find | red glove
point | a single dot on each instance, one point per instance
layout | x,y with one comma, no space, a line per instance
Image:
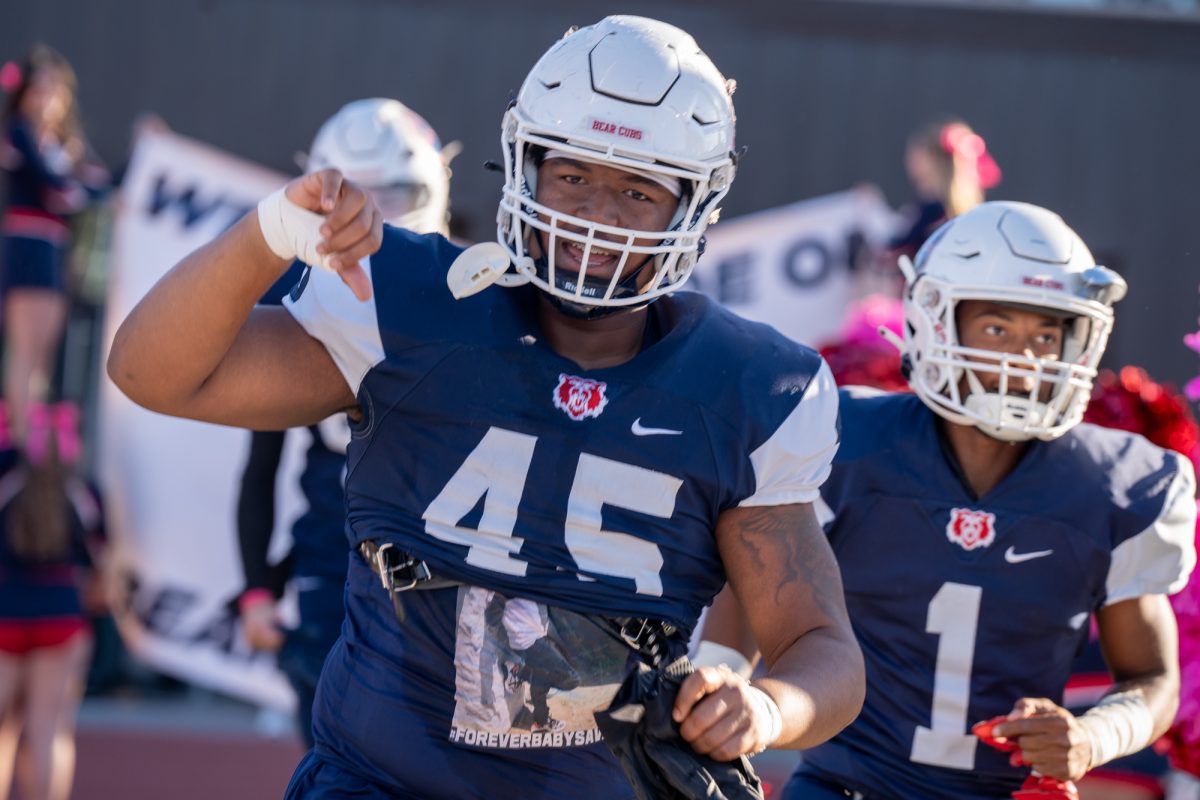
1035,787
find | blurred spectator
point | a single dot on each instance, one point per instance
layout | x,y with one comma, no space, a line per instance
51,174
950,169
52,532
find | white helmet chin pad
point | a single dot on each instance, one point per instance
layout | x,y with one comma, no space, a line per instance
1013,416
392,152
1020,256
628,93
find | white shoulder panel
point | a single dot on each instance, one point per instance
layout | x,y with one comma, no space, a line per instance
791,466
1159,559
348,327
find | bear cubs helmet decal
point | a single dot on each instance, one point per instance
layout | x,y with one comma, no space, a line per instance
970,529
580,398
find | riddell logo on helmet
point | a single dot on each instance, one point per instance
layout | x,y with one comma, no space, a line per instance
612,128
580,398
971,529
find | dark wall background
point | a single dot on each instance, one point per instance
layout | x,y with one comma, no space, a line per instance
1094,117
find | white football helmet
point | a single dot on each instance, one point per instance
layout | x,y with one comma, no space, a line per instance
390,150
629,93
1015,254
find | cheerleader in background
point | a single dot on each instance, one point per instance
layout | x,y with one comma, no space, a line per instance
950,170
50,535
51,175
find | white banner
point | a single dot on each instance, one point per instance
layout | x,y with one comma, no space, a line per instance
171,485
792,267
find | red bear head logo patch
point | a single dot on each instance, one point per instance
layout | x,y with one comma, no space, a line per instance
971,529
580,398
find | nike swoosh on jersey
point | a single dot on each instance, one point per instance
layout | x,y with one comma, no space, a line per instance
640,430
1013,557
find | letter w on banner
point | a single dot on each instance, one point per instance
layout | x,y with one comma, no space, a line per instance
172,484
793,266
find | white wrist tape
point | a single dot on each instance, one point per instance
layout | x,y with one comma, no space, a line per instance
1119,725
291,231
711,654
772,711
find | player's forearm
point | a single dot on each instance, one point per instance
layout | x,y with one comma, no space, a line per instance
819,684
1159,693
175,338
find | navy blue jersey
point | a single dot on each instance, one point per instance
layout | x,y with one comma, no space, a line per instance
964,605
31,176
318,546
511,469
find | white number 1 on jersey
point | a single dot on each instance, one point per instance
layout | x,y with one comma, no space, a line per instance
496,470
953,613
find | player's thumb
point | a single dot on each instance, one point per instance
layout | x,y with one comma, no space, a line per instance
316,191
693,689
305,192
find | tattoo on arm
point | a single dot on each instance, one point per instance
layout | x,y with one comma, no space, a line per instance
787,550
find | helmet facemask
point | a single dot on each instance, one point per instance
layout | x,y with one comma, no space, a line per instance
403,205
669,254
946,374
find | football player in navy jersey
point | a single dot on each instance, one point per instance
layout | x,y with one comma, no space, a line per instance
394,154
578,437
979,526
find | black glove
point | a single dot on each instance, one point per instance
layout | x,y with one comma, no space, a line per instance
638,728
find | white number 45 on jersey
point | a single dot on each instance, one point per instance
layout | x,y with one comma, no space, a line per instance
498,468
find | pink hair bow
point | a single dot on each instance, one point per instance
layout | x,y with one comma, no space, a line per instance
60,421
957,139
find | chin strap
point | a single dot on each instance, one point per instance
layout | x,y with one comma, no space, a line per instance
626,287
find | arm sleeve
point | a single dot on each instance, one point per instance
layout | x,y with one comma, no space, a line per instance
349,328
1160,558
791,465
256,506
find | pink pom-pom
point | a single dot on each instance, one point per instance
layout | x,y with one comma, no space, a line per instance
865,317
1192,390
1182,742
1192,340
10,77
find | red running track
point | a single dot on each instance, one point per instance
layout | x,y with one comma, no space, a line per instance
171,765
